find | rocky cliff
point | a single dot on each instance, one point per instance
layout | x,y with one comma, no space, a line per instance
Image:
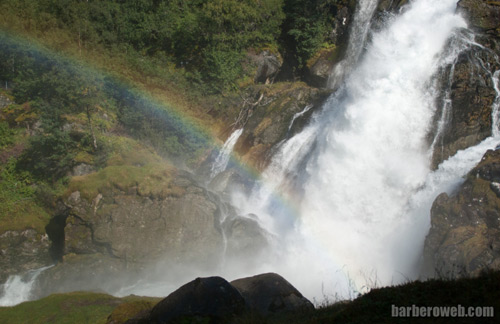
464,238
471,81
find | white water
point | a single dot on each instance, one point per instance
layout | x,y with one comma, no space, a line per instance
357,38
222,159
357,180
17,288
298,115
358,176
496,104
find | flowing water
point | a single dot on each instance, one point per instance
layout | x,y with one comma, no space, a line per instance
17,288
346,201
356,181
224,155
357,38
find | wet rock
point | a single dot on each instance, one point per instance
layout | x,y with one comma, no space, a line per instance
472,98
21,251
90,272
269,121
473,92
203,300
319,67
484,15
270,293
230,181
464,238
246,240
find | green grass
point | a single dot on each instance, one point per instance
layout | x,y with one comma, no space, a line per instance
73,308
18,207
131,164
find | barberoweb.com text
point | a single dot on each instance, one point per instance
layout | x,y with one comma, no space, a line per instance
442,311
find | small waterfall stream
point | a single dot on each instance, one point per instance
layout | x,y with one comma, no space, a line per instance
222,159
17,288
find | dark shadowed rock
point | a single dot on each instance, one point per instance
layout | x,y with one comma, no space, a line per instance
270,293
464,238
206,300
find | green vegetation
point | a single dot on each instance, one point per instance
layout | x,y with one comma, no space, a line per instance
18,207
205,38
70,308
307,27
130,165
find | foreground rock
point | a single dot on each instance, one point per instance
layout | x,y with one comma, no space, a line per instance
270,293
464,238
214,300
203,299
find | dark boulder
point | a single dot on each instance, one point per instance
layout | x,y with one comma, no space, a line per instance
269,293
206,300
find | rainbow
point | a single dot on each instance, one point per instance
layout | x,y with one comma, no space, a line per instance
189,132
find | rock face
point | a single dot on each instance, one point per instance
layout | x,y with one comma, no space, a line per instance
128,229
21,251
473,92
137,228
270,293
202,300
269,119
246,240
464,238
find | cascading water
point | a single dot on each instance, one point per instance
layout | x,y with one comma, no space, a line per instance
496,105
357,38
17,288
298,115
222,159
359,174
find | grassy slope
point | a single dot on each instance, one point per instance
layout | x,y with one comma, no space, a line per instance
72,308
162,81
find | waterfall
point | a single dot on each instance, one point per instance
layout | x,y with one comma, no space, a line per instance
496,105
17,288
222,159
357,178
298,115
357,38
